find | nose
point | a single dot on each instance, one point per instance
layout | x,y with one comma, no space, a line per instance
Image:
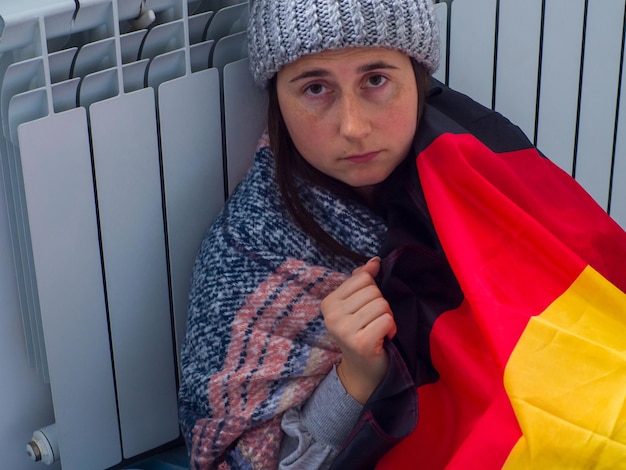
354,119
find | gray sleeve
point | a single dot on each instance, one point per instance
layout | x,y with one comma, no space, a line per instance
315,432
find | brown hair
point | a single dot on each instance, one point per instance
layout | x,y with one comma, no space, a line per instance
289,163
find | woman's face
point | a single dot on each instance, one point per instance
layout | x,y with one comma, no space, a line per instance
351,113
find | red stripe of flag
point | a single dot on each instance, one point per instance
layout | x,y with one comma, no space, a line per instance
517,232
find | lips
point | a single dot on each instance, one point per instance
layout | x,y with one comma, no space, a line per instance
364,158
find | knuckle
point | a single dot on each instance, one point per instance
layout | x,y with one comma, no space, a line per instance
334,323
373,292
324,306
382,305
361,345
361,275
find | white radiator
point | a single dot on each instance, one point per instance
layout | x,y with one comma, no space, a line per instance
125,123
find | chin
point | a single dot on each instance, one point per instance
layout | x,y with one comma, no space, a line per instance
368,182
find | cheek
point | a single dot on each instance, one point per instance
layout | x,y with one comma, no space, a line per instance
402,119
400,125
306,131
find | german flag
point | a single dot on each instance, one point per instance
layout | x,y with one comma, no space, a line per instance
521,362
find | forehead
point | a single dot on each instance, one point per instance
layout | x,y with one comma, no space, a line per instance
347,60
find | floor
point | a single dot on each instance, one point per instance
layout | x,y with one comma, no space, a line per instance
175,459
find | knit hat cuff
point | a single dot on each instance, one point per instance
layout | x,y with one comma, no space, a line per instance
282,31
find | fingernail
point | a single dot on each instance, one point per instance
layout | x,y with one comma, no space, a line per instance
375,258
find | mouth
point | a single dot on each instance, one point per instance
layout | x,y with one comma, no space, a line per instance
364,158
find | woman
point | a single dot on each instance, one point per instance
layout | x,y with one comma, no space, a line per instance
319,293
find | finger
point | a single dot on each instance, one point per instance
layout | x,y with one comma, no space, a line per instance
369,312
392,332
368,296
371,266
346,316
370,339
361,278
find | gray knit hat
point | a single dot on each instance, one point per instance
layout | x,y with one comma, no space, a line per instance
281,31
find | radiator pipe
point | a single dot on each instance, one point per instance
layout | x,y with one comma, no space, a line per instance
43,446
145,18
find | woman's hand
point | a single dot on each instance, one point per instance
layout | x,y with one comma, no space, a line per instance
359,318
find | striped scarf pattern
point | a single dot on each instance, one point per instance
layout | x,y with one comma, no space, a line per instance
256,343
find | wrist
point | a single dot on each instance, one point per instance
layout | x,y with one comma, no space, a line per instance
360,380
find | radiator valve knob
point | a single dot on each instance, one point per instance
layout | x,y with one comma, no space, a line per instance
43,446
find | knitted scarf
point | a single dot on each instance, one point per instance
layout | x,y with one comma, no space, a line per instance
256,343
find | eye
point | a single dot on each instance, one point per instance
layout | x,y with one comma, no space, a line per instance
315,89
375,81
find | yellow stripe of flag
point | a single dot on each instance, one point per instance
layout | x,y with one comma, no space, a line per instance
566,380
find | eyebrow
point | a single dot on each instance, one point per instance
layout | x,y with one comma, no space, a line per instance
320,73
376,66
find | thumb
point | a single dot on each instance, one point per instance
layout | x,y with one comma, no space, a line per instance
372,266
